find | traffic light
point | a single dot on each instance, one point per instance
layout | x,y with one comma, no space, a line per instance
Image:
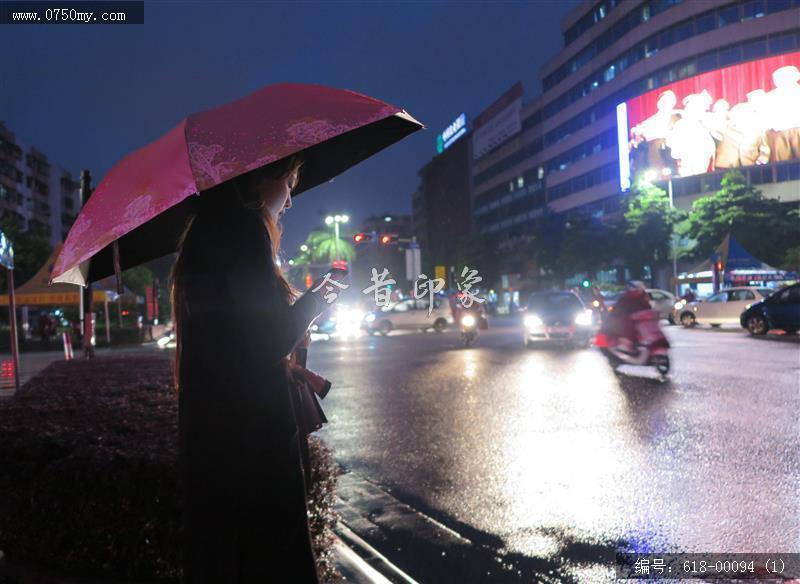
362,238
720,267
585,283
387,239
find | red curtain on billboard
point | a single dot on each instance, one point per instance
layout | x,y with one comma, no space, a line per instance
731,83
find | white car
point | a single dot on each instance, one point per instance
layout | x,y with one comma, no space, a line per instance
662,302
410,314
724,307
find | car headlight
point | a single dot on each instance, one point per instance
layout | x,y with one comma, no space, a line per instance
370,317
584,319
532,321
680,304
468,320
349,317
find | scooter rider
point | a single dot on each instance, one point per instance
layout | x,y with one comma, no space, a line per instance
598,304
619,323
458,310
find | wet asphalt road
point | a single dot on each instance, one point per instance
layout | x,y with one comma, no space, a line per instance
541,451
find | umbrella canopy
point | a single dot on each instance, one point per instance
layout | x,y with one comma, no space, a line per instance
145,201
38,292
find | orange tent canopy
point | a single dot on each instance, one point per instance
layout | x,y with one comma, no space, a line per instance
37,292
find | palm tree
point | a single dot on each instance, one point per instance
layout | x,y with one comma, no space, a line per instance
323,246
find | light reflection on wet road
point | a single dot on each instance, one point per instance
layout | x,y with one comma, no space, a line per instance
538,447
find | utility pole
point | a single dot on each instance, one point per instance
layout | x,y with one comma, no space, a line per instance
85,292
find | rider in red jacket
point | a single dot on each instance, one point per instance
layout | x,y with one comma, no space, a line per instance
619,323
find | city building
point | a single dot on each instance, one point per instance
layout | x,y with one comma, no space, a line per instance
42,195
443,205
560,151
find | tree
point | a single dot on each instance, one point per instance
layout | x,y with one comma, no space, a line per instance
324,247
791,261
765,227
586,246
545,247
30,251
137,279
646,233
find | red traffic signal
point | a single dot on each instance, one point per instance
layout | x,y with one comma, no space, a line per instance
386,239
719,266
362,238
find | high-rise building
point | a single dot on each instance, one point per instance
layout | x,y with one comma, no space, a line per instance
561,151
42,195
442,204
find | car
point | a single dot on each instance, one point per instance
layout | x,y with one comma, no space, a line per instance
724,307
341,320
781,310
660,300
410,314
556,317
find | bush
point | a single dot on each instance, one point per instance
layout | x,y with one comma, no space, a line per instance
89,483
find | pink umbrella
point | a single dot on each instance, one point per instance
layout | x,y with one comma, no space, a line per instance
144,202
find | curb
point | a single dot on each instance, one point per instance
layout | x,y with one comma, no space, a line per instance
361,563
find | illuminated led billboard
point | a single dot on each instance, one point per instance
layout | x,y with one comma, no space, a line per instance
738,116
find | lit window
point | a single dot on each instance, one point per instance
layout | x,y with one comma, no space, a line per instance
520,182
540,173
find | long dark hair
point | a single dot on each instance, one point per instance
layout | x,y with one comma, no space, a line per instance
246,189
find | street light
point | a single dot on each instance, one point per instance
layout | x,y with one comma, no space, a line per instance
304,248
335,220
649,176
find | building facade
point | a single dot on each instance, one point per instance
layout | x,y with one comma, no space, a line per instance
43,196
565,156
442,205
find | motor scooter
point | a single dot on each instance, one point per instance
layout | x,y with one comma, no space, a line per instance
469,329
651,348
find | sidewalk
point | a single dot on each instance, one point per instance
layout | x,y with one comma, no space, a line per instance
31,363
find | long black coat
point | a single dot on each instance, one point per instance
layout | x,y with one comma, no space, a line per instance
245,512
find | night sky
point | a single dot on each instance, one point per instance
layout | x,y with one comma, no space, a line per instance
87,95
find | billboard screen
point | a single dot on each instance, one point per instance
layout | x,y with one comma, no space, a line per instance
742,115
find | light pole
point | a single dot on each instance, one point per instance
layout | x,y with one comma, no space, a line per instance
649,176
335,220
667,172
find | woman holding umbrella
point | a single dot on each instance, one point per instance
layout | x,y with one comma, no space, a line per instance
245,511
245,516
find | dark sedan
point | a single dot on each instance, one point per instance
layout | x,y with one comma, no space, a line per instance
556,316
781,310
